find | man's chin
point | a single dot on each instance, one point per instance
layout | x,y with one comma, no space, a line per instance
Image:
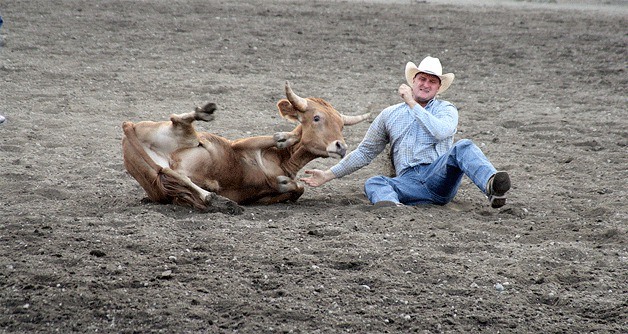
424,98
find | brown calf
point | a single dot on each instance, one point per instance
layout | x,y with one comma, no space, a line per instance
176,164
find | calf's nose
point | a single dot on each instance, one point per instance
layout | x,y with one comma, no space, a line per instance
341,148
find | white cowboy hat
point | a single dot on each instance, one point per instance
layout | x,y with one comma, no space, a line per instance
429,65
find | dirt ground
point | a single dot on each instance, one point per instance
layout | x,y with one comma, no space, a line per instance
540,87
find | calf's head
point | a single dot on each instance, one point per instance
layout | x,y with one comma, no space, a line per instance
321,124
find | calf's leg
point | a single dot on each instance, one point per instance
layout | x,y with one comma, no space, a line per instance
182,131
184,192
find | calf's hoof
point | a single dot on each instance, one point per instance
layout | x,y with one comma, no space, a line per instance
206,112
286,184
284,139
217,203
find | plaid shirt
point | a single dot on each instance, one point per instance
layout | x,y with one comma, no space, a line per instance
416,136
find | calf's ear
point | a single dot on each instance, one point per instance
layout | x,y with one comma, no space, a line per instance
287,111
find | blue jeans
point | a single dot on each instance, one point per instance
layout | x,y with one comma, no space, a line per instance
435,183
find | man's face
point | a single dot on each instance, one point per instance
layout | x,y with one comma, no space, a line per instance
424,87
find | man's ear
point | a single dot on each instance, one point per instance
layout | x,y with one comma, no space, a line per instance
287,111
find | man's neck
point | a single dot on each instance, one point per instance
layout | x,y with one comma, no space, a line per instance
424,103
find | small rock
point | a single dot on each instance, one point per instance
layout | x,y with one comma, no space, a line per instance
166,274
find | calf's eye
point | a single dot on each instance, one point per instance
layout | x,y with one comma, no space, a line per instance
317,118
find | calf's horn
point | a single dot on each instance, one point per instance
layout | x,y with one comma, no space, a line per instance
298,102
350,120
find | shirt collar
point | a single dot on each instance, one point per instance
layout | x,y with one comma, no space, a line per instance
430,103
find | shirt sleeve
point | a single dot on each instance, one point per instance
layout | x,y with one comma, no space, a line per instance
440,122
372,145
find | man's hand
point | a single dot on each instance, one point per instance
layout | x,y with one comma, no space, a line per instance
406,94
318,177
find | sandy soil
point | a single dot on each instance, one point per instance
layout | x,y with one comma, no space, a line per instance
541,89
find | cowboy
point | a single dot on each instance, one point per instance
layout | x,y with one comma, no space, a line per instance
428,164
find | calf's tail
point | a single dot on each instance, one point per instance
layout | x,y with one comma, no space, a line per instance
141,166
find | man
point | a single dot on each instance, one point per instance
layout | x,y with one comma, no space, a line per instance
428,165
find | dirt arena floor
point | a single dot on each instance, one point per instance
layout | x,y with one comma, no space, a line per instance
541,88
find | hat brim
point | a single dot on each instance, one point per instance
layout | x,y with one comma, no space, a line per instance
445,79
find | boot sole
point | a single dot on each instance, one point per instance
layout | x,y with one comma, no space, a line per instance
501,184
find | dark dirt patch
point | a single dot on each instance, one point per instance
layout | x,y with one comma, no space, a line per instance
541,90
